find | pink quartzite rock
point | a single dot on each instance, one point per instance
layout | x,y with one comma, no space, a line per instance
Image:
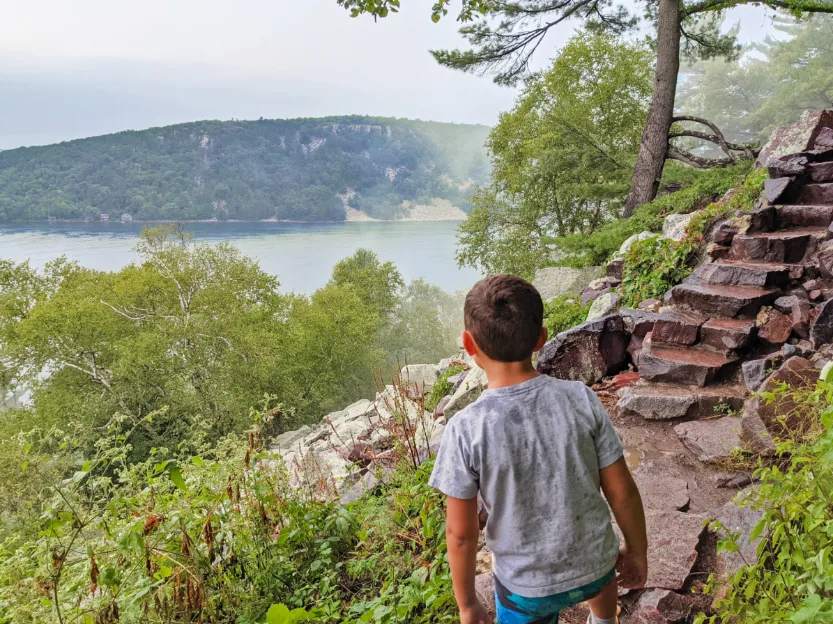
660,606
777,328
778,190
662,492
587,352
763,422
710,440
673,540
677,326
797,137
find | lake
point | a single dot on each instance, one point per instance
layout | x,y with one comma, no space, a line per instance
301,255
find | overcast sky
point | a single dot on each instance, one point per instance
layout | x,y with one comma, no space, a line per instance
88,67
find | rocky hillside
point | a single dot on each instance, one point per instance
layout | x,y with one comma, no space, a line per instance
298,169
681,378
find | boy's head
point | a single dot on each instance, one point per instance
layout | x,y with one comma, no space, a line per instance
504,315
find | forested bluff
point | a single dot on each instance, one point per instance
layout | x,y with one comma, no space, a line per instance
294,169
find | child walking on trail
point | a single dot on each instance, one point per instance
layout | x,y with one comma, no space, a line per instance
537,450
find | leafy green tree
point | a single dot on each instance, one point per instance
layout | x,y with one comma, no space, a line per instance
377,283
505,34
771,84
562,157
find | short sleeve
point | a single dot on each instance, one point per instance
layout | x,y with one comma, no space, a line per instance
453,474
608,447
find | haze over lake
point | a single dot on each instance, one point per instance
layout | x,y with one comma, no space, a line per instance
301,255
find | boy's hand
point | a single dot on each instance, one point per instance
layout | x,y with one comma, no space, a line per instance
632,569
476,614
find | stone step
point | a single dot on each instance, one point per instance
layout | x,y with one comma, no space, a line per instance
821,172
678,326
725,301
726,334
654,401
692,366
786,246
816,193
737,273
805,216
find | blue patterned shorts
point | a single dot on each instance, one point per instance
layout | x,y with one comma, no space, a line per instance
514,609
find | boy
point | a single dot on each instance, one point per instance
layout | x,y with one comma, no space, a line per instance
537,449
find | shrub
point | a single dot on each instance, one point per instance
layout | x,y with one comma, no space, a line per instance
654,265
702,187
442,388
563,313
792,580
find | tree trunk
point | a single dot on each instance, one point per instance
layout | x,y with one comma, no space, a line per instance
651,157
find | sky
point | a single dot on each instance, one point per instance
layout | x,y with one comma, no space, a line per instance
88,67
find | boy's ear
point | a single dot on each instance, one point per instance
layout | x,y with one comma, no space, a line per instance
469,344
542,339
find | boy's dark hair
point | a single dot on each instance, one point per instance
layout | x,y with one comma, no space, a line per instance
505,314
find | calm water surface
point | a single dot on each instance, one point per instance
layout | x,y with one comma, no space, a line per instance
301,255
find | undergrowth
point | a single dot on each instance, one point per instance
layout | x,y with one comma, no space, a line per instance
224,537
654,265
791,577
564,312
700,188
443,387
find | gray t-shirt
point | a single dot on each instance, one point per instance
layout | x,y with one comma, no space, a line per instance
534,451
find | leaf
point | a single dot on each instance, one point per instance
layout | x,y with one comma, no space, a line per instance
176,476
280,614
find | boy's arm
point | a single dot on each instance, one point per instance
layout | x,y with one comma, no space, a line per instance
626,503
462,530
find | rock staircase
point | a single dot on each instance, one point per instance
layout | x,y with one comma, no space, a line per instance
754,304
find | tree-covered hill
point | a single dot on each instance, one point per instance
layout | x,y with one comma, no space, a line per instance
293,169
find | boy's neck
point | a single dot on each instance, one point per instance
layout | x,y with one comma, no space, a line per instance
503,374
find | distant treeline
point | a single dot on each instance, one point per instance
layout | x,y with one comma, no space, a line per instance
285,169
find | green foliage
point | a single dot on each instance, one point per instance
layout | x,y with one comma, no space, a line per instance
564,312
218,537
562,157
442,388
770,85
699,189
654,265
792,580
266,169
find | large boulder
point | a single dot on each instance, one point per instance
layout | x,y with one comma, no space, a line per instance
484,588
660,606
554,281
587,352
603,305
797,137
738,521
623,249
424,376
673,542
675,225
